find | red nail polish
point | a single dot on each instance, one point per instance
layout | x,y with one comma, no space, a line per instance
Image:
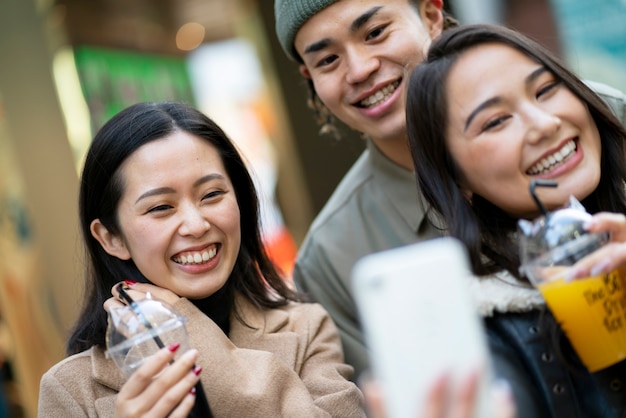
130,283
197,370
193,390
173,347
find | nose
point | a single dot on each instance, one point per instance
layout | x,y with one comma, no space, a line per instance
193,222
541,123
361,64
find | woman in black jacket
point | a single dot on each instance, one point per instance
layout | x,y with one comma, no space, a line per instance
488,112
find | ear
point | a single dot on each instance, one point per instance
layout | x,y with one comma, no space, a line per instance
304,71
112,244
432,16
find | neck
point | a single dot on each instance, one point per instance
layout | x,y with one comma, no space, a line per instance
397,150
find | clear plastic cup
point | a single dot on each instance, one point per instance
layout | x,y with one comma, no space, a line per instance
130,340
592,310
140,329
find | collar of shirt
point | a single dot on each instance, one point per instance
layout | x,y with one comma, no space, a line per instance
400,186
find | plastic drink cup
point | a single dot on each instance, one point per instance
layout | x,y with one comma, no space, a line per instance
140,329
591,311
130,353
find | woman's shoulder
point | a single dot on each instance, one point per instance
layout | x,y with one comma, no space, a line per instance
69,366
305,310
72,375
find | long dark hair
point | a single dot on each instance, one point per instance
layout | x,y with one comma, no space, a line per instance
484,228
101,188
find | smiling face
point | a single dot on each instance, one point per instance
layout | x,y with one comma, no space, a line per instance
358,53
178,216
511,121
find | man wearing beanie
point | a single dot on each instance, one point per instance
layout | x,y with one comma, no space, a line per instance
356,55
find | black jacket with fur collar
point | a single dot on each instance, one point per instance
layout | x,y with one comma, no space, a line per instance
542,383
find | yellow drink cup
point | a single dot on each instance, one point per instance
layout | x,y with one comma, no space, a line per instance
592,313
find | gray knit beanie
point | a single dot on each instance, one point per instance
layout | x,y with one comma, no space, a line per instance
290,15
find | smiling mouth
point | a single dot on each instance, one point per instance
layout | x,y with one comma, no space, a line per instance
195,257
550,162
380,96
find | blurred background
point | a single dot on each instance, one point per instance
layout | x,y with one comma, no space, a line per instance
66,66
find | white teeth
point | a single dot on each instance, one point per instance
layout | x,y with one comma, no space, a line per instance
546,164
380,96
196,258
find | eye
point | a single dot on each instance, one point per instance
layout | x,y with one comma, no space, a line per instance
159,208
326,61
493,123
376,33
213,194
548,87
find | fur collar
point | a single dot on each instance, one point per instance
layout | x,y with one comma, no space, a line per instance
502,293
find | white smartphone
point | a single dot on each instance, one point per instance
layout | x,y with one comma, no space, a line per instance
419,322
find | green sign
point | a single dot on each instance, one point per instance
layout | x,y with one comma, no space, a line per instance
112,80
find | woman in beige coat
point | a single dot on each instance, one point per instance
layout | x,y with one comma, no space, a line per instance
168,207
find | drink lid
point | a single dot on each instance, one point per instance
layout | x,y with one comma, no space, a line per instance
557,237
144,320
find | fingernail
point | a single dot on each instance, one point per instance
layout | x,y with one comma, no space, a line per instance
197,370
130,283
600,268
173,347
589,224
571,274
193,390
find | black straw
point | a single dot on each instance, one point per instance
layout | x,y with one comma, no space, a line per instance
542,183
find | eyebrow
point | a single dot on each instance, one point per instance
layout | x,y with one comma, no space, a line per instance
495,100
357,24
169,190
364,18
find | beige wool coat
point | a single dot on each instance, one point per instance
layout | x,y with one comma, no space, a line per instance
289,364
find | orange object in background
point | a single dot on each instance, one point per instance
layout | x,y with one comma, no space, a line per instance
282,250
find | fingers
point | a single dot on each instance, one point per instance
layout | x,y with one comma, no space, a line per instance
184,408
435,405
174,382
466,397
503,404
372,392
447,400
138,291
615,223
111,303
609,257
602,261
159,387
462,402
